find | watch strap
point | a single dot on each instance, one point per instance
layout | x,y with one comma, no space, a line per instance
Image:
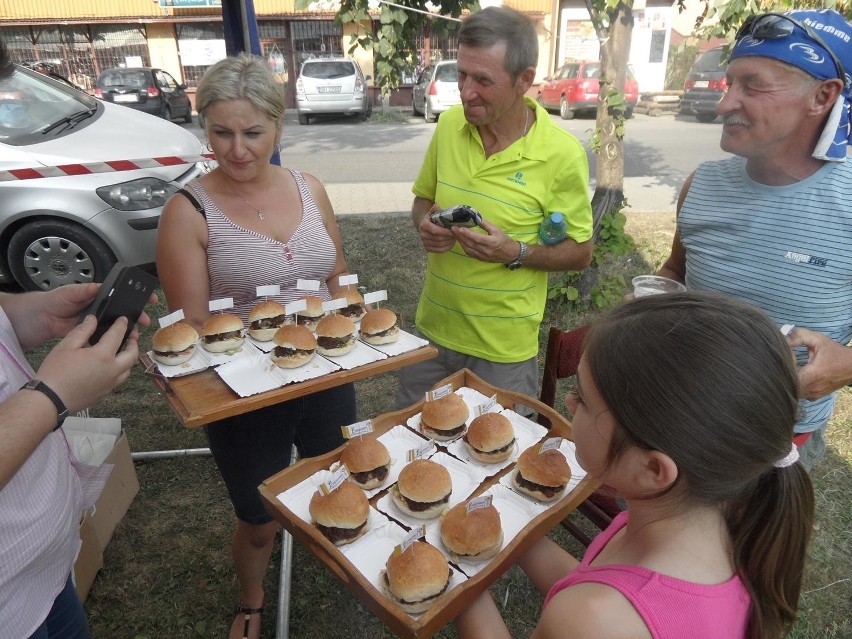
41,387
518,261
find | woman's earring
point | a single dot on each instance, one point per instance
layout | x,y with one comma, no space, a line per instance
207,146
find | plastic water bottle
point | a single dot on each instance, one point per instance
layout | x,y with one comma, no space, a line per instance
553,229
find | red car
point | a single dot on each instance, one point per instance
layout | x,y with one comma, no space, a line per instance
574,88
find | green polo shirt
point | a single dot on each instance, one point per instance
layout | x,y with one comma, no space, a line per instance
481,308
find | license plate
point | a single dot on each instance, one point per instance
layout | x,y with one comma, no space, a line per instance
702,84
334,89
126,97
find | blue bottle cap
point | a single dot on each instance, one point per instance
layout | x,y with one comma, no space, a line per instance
556,217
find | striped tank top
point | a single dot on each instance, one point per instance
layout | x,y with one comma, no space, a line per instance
786,249
239,260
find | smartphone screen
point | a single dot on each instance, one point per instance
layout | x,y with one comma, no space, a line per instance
124,293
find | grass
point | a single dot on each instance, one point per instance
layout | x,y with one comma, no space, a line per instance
167,571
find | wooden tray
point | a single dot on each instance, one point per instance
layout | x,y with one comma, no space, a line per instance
452,603
201,398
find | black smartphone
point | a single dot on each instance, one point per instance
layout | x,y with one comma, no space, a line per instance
125,292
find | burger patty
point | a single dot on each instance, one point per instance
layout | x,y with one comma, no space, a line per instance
419,506
283,351
175,353
383,333
268,322
330,343
496,451
301,320
379,473
438,594
221,337
353,310
547,491
452,432
340,534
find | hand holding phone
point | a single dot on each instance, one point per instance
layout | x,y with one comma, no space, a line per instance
124,293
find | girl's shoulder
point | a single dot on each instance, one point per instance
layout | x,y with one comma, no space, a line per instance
590,610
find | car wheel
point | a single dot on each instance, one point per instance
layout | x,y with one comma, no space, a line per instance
414,108
167,113
188,117
539,100
428,115
47,254
303,118
705,116
565,111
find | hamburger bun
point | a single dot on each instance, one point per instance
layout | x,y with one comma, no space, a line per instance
471,536
444,419
294,346
368,462
379,326
355,308
415,578
541,475
490,438
312,314
222,332
342,514
423,489
264,319
174,344
335,335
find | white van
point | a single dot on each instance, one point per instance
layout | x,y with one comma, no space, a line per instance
60,230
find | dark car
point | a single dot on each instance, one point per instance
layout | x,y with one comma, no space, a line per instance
705,85
574,87
153,91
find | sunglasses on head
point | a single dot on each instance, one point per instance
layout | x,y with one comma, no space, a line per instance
775,26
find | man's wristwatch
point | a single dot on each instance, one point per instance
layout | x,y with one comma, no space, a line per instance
518,262
40,386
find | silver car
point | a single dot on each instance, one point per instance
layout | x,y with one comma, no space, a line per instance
73,228
332,86
436,90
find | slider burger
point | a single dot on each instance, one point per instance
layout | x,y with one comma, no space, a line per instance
471,536
294,346
264,319
355,309
541,475
379,326
174,344
423,489
367,461
342,514
490,438
415,578
222,332
335,335
444,419
312,314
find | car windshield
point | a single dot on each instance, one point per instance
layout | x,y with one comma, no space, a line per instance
447,73
328,70
136,79
709,62
30,103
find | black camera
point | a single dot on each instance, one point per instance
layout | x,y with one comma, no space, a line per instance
461,215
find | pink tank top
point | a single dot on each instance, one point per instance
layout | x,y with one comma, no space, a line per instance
671,608
240,260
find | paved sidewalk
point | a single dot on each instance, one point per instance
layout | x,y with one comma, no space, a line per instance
396,197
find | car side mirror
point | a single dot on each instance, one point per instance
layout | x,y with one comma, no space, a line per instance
181,86
367,78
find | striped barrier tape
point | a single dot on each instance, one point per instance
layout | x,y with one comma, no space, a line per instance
101,167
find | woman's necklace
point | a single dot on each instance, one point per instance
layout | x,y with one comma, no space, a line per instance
260,214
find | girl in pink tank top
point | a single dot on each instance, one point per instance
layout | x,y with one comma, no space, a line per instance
685,404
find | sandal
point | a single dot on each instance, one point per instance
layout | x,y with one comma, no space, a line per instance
247,612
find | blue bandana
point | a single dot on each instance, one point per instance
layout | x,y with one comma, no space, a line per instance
802,51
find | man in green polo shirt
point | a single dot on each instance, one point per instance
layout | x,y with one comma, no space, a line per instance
485,288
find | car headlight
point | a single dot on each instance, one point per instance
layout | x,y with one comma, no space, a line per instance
137,195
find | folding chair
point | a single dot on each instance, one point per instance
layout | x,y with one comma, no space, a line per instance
561,360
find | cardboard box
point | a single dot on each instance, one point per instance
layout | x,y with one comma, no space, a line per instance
90,560
97,527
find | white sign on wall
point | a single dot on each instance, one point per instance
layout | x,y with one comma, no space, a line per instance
199,53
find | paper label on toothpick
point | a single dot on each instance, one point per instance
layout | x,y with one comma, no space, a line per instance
346,280
375,296
357,429
416,533
221,304
551,443
421,452
308,285
171,318
438,393
294,307
266,291
485,407
333,305
483,501
337,478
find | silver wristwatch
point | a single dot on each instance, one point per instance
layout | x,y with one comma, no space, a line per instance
518,262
